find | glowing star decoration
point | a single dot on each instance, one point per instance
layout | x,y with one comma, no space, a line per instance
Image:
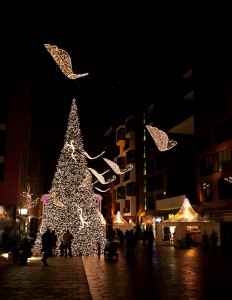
88,156
63,60
161,139
116,168
101,178
72,148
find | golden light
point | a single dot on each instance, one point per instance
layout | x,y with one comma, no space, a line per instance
63,60
161,139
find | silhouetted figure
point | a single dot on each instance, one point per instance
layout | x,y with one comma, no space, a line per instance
62,248
214,239
188,239
67,238
150,240
46,246
54,242
24,251
130,243
205,240
144,238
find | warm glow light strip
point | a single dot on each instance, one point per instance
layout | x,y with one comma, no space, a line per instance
116,168
88,156
103,191
72,148
82,219
161,139
63,60
100,178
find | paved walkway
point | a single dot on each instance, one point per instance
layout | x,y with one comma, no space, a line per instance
168,274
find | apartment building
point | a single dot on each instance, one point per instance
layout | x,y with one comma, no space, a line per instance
213,124
20,182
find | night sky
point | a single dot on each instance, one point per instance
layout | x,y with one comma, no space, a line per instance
131,56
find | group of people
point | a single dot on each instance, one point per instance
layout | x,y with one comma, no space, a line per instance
49,244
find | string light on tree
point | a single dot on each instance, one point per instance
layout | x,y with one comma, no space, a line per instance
78,212
30,203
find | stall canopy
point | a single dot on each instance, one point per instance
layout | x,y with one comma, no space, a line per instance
120,223
186,219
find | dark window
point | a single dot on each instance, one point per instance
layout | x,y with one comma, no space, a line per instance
121,161
117,180
121,192
127,176
130,157
3,111
155,183
130,125
127,144
131,189
2,171
121,134
208,164
207,191
127,206
150,203
161,161
150,166
117,207
225,159
203,141
2,142
225,188
224,132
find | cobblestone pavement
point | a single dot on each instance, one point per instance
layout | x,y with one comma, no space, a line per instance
169,273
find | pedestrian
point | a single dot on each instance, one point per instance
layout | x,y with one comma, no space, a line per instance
46,246
144,238
150,240
54,242
61,248
214,238
67,239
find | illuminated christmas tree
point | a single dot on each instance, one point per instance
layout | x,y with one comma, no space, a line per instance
72,204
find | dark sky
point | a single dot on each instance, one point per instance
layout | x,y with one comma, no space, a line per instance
127,52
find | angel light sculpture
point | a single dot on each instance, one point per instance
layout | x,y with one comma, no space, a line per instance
161,139
100,178
63,60
116,168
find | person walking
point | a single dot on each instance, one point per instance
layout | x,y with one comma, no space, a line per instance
150,240
46,246
54,242
67,239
